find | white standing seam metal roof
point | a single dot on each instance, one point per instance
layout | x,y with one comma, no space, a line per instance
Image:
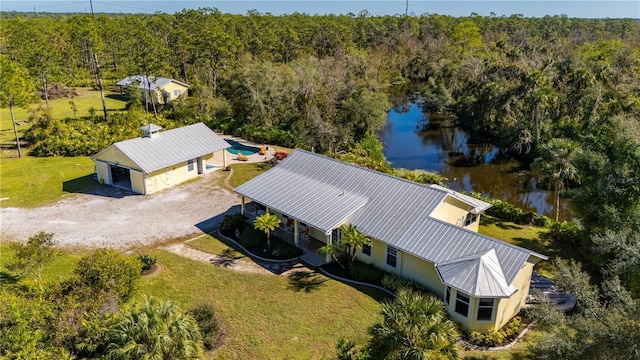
324,193
170,147
478,205
481,272
151,82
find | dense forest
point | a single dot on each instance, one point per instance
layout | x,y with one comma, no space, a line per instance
561,93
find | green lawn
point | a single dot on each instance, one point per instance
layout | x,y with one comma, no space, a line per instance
245,172
529,237
60,108
32,181
268,316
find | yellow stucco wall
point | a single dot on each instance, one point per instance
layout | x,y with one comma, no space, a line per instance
452,210
113,156
137,181
167,177
170,87
508,308
425,273
102,172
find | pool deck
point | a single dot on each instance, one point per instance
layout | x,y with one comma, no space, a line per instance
233,159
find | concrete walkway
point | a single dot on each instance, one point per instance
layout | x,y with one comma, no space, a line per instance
542,286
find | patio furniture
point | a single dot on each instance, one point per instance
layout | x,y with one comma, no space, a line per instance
242,157
263,150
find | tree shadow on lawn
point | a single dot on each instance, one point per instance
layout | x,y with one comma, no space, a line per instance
306,281
501,224
86,185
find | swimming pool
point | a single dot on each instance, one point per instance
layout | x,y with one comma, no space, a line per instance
237,147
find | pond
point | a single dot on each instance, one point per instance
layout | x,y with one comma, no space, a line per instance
413,141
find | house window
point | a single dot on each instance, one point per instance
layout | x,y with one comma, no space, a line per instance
176,92
366,249
485,309
190,165
392,256
470,219
462,304
447,295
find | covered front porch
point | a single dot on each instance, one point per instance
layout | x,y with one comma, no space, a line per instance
295,232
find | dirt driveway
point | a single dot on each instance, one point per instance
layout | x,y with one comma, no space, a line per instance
104,216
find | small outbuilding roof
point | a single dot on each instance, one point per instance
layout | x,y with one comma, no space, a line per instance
325,193
151,82
170,147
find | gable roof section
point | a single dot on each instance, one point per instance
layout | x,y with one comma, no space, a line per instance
171,147
307,186
153,82
481,273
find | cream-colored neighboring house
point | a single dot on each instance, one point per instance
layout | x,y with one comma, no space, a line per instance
159,159
425,233
153,88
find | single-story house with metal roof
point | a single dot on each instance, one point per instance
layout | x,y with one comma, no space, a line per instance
154,88
158,160
425,233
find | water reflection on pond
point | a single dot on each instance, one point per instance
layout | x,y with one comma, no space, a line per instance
412,141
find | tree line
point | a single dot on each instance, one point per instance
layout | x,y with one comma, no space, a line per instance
558,92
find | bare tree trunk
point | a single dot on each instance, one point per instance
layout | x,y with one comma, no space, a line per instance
15,130
99,82
153,95
557,194
46,89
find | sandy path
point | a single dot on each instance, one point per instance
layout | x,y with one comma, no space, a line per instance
108,217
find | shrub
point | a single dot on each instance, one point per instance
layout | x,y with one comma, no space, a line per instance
567,232
543,221
495,337
283,250
205,316
394,283
146,261
256,241
366,273
233,222
109,272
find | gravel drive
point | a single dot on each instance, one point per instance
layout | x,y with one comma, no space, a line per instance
104,216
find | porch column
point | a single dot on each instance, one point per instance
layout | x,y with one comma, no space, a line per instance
224,158
295,231
327,258
242,206
267,210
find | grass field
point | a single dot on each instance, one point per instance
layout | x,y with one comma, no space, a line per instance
32,181
60,108
529,237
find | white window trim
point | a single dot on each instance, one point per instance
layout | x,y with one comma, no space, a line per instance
468,302
370,250
447,296
394,255
190,165
470,219
493,306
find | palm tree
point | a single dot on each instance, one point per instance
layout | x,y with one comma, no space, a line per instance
354,240
555,165
267,223
331,250
415,326
155,330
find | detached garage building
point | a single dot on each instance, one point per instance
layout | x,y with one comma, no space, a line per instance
159,160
